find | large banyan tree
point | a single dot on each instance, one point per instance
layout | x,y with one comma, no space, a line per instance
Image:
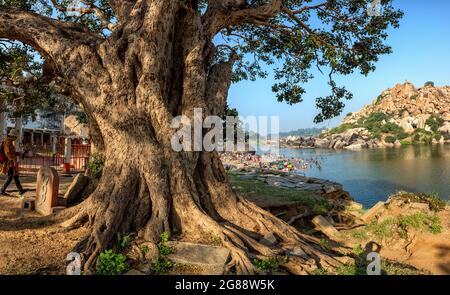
134,65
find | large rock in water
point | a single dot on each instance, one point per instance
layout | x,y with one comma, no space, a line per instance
321,143
78,184
210,259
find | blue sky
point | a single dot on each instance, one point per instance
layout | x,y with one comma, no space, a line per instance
421,53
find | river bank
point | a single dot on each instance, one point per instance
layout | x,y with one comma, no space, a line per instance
410,231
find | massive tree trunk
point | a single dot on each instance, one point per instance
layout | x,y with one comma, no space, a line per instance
154,67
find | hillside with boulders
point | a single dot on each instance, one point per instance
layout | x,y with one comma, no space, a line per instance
401,115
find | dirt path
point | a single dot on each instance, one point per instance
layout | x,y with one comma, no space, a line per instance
427,251
29,244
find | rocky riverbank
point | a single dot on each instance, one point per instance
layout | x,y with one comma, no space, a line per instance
401,115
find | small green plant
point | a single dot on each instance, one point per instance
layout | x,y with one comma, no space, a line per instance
163,246
111,263
270,264
163,264
144,249
124,241
217,241
96,164
324,243
358,250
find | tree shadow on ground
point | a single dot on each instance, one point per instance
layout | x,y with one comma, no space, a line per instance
444,252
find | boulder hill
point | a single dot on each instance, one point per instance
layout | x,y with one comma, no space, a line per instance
401,115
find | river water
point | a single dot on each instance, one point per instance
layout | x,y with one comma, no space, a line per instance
372,175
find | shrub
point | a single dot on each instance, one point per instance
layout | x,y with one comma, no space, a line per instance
124,241
402,135
390,139
379,99
96,164
349,114
111,263
435,122
429,83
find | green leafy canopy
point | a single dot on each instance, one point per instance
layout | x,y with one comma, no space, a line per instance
336,37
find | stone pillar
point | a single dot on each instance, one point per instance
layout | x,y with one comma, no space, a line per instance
67,154
32,137
47,187
42,138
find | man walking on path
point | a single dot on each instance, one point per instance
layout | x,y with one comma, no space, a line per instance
9,164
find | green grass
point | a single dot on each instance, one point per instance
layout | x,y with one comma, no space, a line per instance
256,189
340,129
393,227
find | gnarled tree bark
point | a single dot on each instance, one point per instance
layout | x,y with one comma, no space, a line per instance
154,67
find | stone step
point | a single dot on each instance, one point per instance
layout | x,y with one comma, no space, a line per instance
211,259
373,212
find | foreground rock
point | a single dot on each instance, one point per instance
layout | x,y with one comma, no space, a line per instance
210,260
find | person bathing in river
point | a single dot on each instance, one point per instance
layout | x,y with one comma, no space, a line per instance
9,164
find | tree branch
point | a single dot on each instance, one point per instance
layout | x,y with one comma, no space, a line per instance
53,39
90,8
221,14
122,8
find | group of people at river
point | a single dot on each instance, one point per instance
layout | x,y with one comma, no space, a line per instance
267,162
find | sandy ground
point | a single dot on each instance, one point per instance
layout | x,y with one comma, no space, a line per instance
29,244
426,251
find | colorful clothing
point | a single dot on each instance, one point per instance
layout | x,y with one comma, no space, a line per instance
11,157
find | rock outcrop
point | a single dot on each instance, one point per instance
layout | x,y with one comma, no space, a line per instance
404,108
